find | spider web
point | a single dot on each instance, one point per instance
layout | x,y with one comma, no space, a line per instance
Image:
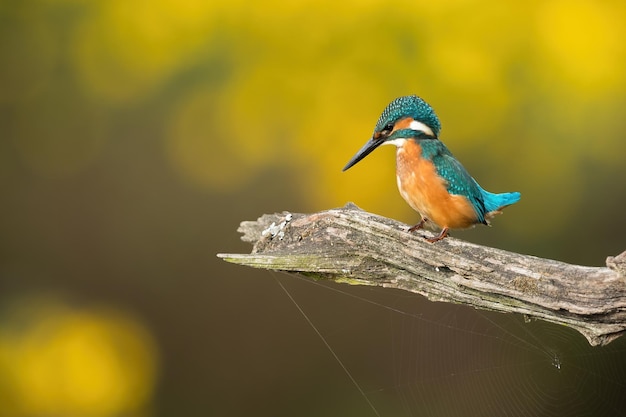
413,357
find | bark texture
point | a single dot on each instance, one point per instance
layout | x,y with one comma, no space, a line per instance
353,246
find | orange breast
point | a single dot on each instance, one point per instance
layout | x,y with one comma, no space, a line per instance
426,192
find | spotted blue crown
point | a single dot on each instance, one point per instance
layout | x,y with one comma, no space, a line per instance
409,106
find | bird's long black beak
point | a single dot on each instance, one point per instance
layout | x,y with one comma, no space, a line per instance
372,144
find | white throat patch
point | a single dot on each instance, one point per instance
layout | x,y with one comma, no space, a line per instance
398,142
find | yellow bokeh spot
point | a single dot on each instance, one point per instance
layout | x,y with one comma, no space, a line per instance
88,363
464,64
200,146
584,40
125,48
219,138
554,188
478,99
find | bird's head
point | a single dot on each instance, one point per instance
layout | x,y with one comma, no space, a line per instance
405,117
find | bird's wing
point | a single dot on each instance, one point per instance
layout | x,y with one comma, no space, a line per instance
459,181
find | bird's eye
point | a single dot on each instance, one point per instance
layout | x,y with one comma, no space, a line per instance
387,129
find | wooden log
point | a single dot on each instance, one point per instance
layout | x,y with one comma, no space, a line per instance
352,246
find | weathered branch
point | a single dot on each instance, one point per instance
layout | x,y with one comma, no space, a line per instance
351,245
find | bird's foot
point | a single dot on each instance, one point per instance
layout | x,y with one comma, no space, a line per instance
444,233
418,226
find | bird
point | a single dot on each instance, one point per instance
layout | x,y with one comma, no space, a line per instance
430,179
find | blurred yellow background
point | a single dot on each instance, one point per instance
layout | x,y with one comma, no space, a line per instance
137,134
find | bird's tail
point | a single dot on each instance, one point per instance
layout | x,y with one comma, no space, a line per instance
496,202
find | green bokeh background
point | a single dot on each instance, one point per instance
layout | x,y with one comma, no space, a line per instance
136,135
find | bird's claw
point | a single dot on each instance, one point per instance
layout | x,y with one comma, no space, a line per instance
418,226
443,234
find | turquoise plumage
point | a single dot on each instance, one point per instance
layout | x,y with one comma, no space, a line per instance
429,177
460,182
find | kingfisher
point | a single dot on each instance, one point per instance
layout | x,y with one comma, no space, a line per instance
430,179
